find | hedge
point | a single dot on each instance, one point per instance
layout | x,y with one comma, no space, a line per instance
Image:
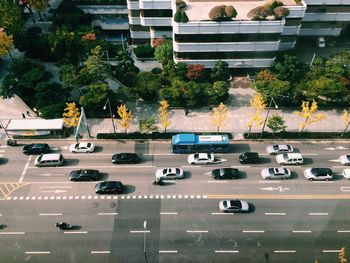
147,136
298,135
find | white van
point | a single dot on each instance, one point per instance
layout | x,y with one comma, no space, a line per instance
321,42
289,158
49,159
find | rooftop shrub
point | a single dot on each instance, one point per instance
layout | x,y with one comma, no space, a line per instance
258,13
281,12
222,13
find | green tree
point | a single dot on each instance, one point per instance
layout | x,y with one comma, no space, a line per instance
218,92
220,71
276,123
39,5
94,69
10,17
147,85
94,97
148,125
278,89
289,68
164,52
70,77
180,70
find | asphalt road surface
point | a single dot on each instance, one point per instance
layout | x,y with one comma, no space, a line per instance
289,220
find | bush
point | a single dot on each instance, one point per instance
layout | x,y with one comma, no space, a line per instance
258,13
298,135
222,13
177,16
184,17
181,5
144,51
281,12
230,11
128,79
156,70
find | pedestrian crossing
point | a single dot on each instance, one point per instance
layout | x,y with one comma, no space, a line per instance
101,197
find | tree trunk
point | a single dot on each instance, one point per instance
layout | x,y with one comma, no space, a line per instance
31,12
250,128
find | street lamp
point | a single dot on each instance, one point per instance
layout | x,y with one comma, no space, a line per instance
144,239
110,112
267,115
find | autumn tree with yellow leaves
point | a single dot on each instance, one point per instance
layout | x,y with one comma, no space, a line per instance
258,103
126,117
219,116
164,114
308,113
6,44
71,114
342,255
346,120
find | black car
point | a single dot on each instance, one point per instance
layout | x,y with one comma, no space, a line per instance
84,175
109,187
249,157
125,158
36,148
225,173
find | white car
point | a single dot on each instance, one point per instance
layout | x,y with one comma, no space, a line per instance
201,158
233,206
169,173
346,173
319,174
279,148
275,173
344,159
82,147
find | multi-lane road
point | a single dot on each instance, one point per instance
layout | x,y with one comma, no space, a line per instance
289,221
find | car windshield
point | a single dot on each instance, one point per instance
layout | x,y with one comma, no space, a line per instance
275,147
271,170
88,145
196,155
236,203
319,171
177,170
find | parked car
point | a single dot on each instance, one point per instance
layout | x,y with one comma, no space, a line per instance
82,147
279,148
346,173
109,187
121,158
49,159
289,158
201,158
169,173
249,157
233,206
320,174
36,148
344,159
84,175
275,173
225,173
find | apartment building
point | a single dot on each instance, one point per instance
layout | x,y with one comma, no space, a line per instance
242,42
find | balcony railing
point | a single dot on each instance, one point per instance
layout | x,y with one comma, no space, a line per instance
156,21
326,17
320,31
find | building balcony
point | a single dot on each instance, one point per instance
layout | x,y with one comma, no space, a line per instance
156,21
226,46
320,31
210,27
232,63
103,9
291,30
112,24
296,11
286,45
140,34
326,17
133,5
155,4
133,20
160,34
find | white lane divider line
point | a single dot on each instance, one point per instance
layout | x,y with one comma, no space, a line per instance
253,231
38,252
330,251
107,214
100,252
301,231
318,214
197,231
275,214
53,214
217,182
226,251
25,169
220,214
284,251
345,189
343,231
168,213
269,182
12,233
75,232
167,251
139,231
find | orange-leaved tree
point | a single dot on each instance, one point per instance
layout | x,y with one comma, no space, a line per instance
164,114
219,116
71,114
126,117
308,113
258,103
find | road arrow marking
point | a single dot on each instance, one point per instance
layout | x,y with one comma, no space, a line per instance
336,148
51,175
345,188
54,191
278,188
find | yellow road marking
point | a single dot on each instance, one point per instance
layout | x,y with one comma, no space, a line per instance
10,187
282,197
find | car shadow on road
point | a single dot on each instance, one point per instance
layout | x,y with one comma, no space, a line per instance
128,189
103,176
337,176
4,161
264,160
242,175
308,161
187,175
71,162
293,175
251,208
98,149
75,227
239,148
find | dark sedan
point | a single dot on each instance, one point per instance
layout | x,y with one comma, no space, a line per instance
120,158
225,173
84,175
109,187
36,148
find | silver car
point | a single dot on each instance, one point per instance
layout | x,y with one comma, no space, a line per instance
233,206
344,159
279,148
319,174
169,173
201,158
275,173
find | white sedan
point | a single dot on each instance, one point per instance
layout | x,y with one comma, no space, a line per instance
275,173
279,148
201,158
169,173
346,173
82,147
344,159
